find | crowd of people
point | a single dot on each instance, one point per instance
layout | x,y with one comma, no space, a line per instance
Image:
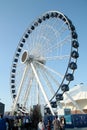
25,123
15,123
56,124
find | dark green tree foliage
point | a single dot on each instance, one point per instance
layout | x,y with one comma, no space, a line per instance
36,115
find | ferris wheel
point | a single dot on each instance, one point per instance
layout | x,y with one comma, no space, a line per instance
44,62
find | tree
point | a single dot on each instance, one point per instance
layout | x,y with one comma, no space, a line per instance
36,115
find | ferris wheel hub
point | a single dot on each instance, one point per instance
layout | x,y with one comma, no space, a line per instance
26,58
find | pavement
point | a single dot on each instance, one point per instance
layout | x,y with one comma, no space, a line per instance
76,128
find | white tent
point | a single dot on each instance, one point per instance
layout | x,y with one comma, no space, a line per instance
76,98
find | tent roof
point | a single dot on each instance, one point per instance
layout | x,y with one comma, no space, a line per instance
78,92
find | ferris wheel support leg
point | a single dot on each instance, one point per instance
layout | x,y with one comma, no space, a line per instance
41,87
19,90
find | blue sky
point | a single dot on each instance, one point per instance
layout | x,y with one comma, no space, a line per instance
17,15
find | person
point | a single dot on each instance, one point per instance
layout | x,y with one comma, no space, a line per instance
62,123
48,125
15,124
7,124
19,123
41,125
27,123
2,123
56,123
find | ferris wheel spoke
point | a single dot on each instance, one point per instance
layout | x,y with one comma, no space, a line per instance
48,83
58,45
46,67
50,49
40,46
27,92
49,74
35,42
57,57
50,80
62,28
57,34
44,32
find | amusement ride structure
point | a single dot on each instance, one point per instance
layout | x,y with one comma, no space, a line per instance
44,62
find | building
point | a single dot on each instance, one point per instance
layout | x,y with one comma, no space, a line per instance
2,108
